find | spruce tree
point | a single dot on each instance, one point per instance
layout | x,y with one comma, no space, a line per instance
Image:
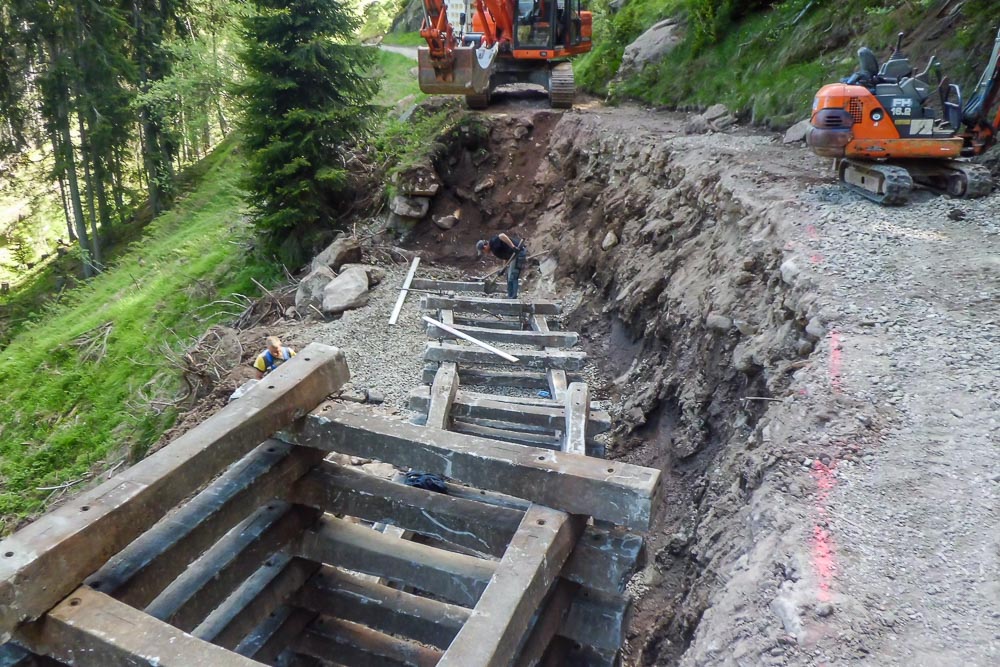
307,94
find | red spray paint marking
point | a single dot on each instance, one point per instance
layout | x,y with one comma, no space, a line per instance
816,258
835,360
824,560
812,232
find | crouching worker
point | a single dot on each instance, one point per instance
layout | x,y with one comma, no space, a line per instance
273,356
511,250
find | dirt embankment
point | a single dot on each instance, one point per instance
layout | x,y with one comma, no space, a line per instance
774,343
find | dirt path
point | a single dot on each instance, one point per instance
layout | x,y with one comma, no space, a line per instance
408,51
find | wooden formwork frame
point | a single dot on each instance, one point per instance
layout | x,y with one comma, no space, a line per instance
259,567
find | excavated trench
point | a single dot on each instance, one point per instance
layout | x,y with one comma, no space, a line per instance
673,267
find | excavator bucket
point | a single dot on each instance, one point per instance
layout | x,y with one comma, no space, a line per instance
465,76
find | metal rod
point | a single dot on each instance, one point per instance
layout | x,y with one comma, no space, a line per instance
402,292
465,336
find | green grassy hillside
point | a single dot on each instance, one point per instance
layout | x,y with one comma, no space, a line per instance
767,59
81,381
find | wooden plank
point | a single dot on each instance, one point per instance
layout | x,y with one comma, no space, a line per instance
570,360
475,341
454,577
468,405
597,620
275,633
49,558
352,644
442,394
144,568
429,285
341,490
341,595
499,377
548,620
518,437
402,292
269,588
494,306
617,492
91,629
501,619
556,378
491,323
605,559
577,414
499,335
189,599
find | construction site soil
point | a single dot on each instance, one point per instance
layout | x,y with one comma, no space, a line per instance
816,376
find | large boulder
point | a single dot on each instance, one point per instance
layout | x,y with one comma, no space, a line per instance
420,180
650,47
343,250
410,207
410,18
309,295
797,132
346,291
375,274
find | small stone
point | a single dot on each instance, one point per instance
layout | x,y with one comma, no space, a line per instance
718,322
804,347
743,278
789,271
375,397
815,328
715,111
824,609
957,413
445,222
485,184
410,207
610,241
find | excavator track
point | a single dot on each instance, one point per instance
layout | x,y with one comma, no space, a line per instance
562,87
960,179
480,101
885,184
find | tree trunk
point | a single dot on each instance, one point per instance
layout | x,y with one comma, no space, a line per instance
86,154
62,186
69,169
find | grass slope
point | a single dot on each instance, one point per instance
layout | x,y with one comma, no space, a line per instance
768,61
393,70
68,411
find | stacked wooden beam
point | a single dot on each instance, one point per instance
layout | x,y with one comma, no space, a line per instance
560,417
240,543
588,612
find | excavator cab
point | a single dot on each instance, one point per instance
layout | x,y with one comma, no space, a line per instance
548,24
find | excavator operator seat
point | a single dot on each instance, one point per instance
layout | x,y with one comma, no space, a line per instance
896,68
868,63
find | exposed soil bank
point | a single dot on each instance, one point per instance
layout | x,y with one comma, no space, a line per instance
756,320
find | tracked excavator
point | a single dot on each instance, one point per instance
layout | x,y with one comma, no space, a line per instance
506,41
886,136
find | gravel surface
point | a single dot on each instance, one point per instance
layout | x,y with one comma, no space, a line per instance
918,520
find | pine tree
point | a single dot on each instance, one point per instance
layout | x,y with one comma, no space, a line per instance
308,96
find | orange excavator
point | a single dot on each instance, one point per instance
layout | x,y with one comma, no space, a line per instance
508,41
885,135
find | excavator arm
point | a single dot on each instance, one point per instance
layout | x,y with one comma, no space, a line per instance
982,129
437,30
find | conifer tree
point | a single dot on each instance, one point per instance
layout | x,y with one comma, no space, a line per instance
307,94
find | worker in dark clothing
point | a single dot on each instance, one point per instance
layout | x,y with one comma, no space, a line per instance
509,249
